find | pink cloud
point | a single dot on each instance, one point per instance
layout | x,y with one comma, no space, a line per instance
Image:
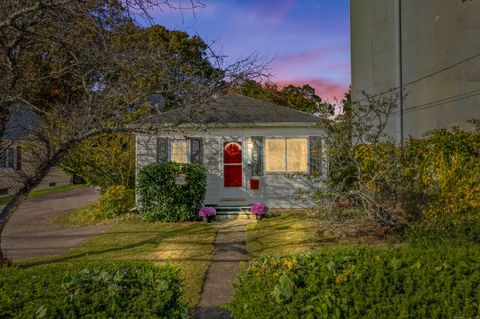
324,88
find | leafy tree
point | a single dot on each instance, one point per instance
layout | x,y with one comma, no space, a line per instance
105,160
301,98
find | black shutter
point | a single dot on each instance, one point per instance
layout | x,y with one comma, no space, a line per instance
315,154
162,150
257,156
196,150
19,158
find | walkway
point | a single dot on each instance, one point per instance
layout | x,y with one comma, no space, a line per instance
31,231
230,251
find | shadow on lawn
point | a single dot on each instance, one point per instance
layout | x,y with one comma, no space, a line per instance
107,245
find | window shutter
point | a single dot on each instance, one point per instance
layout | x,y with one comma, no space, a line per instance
162,150
19,158
257,156
315,154
196,150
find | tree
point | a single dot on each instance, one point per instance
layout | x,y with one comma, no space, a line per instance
301,98
105,161
70,62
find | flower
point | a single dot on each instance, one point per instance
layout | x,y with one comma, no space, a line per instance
207,211
259,209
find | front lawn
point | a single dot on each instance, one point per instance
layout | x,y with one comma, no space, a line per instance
292,232
187,246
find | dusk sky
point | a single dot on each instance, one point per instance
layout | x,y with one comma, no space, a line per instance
308,39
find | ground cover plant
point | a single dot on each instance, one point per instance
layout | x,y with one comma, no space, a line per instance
100,290
361,282
187,246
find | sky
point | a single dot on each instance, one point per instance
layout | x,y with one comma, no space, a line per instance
308,41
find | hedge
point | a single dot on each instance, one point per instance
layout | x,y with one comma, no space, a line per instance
363,282
98,290
162,199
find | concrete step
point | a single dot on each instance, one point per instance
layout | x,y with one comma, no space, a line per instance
236,215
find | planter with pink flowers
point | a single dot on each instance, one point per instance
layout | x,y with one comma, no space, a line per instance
259,210
207,214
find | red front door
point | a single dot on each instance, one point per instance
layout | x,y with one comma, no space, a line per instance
232,164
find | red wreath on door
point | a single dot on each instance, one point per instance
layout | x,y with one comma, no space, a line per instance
233,153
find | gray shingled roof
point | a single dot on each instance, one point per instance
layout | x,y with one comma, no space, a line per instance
234,109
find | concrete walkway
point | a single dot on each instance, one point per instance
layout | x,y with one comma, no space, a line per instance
230,250
31,231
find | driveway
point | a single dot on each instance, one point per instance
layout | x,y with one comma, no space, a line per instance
31,231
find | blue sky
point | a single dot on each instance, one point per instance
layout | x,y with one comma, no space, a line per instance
308,40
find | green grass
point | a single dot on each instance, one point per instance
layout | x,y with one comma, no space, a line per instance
292,232
42,192
282,235
187,245
88,216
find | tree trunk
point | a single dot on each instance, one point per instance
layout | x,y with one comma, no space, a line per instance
19,197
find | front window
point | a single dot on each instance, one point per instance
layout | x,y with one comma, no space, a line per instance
179,151
286,155
7,158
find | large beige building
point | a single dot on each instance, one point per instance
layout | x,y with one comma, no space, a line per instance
430,48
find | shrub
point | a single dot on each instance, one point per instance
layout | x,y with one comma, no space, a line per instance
99,290
207,211
259,209
162,199
362,283
117,200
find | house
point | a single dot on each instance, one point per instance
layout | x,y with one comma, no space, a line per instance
15,160
430,49
252,150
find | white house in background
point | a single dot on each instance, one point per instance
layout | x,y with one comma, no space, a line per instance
431,48
252,150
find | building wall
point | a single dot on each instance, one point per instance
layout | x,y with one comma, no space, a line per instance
435,34
9,177
276,190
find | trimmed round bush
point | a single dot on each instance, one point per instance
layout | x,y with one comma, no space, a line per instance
92,290
116,200
362,282
163,199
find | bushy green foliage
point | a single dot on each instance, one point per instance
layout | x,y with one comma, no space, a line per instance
104,161
98,290
443,172
433,177
362,282
163,200
117,200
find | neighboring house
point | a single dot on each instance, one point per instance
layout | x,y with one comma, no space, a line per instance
252,150
14,161
430,48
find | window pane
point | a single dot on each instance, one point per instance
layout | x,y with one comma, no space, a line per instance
297,160
179,151
275,155
11,157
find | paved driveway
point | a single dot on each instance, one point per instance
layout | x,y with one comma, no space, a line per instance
31,231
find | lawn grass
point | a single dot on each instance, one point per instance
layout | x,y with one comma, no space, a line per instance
42,192
186,245
292,232
88,216
281,235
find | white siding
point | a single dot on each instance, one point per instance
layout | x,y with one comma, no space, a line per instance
276,190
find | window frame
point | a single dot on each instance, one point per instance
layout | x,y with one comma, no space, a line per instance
4,163
284,172
170,148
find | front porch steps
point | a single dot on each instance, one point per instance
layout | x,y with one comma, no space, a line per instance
233,212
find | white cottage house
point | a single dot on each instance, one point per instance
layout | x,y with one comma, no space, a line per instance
253,151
